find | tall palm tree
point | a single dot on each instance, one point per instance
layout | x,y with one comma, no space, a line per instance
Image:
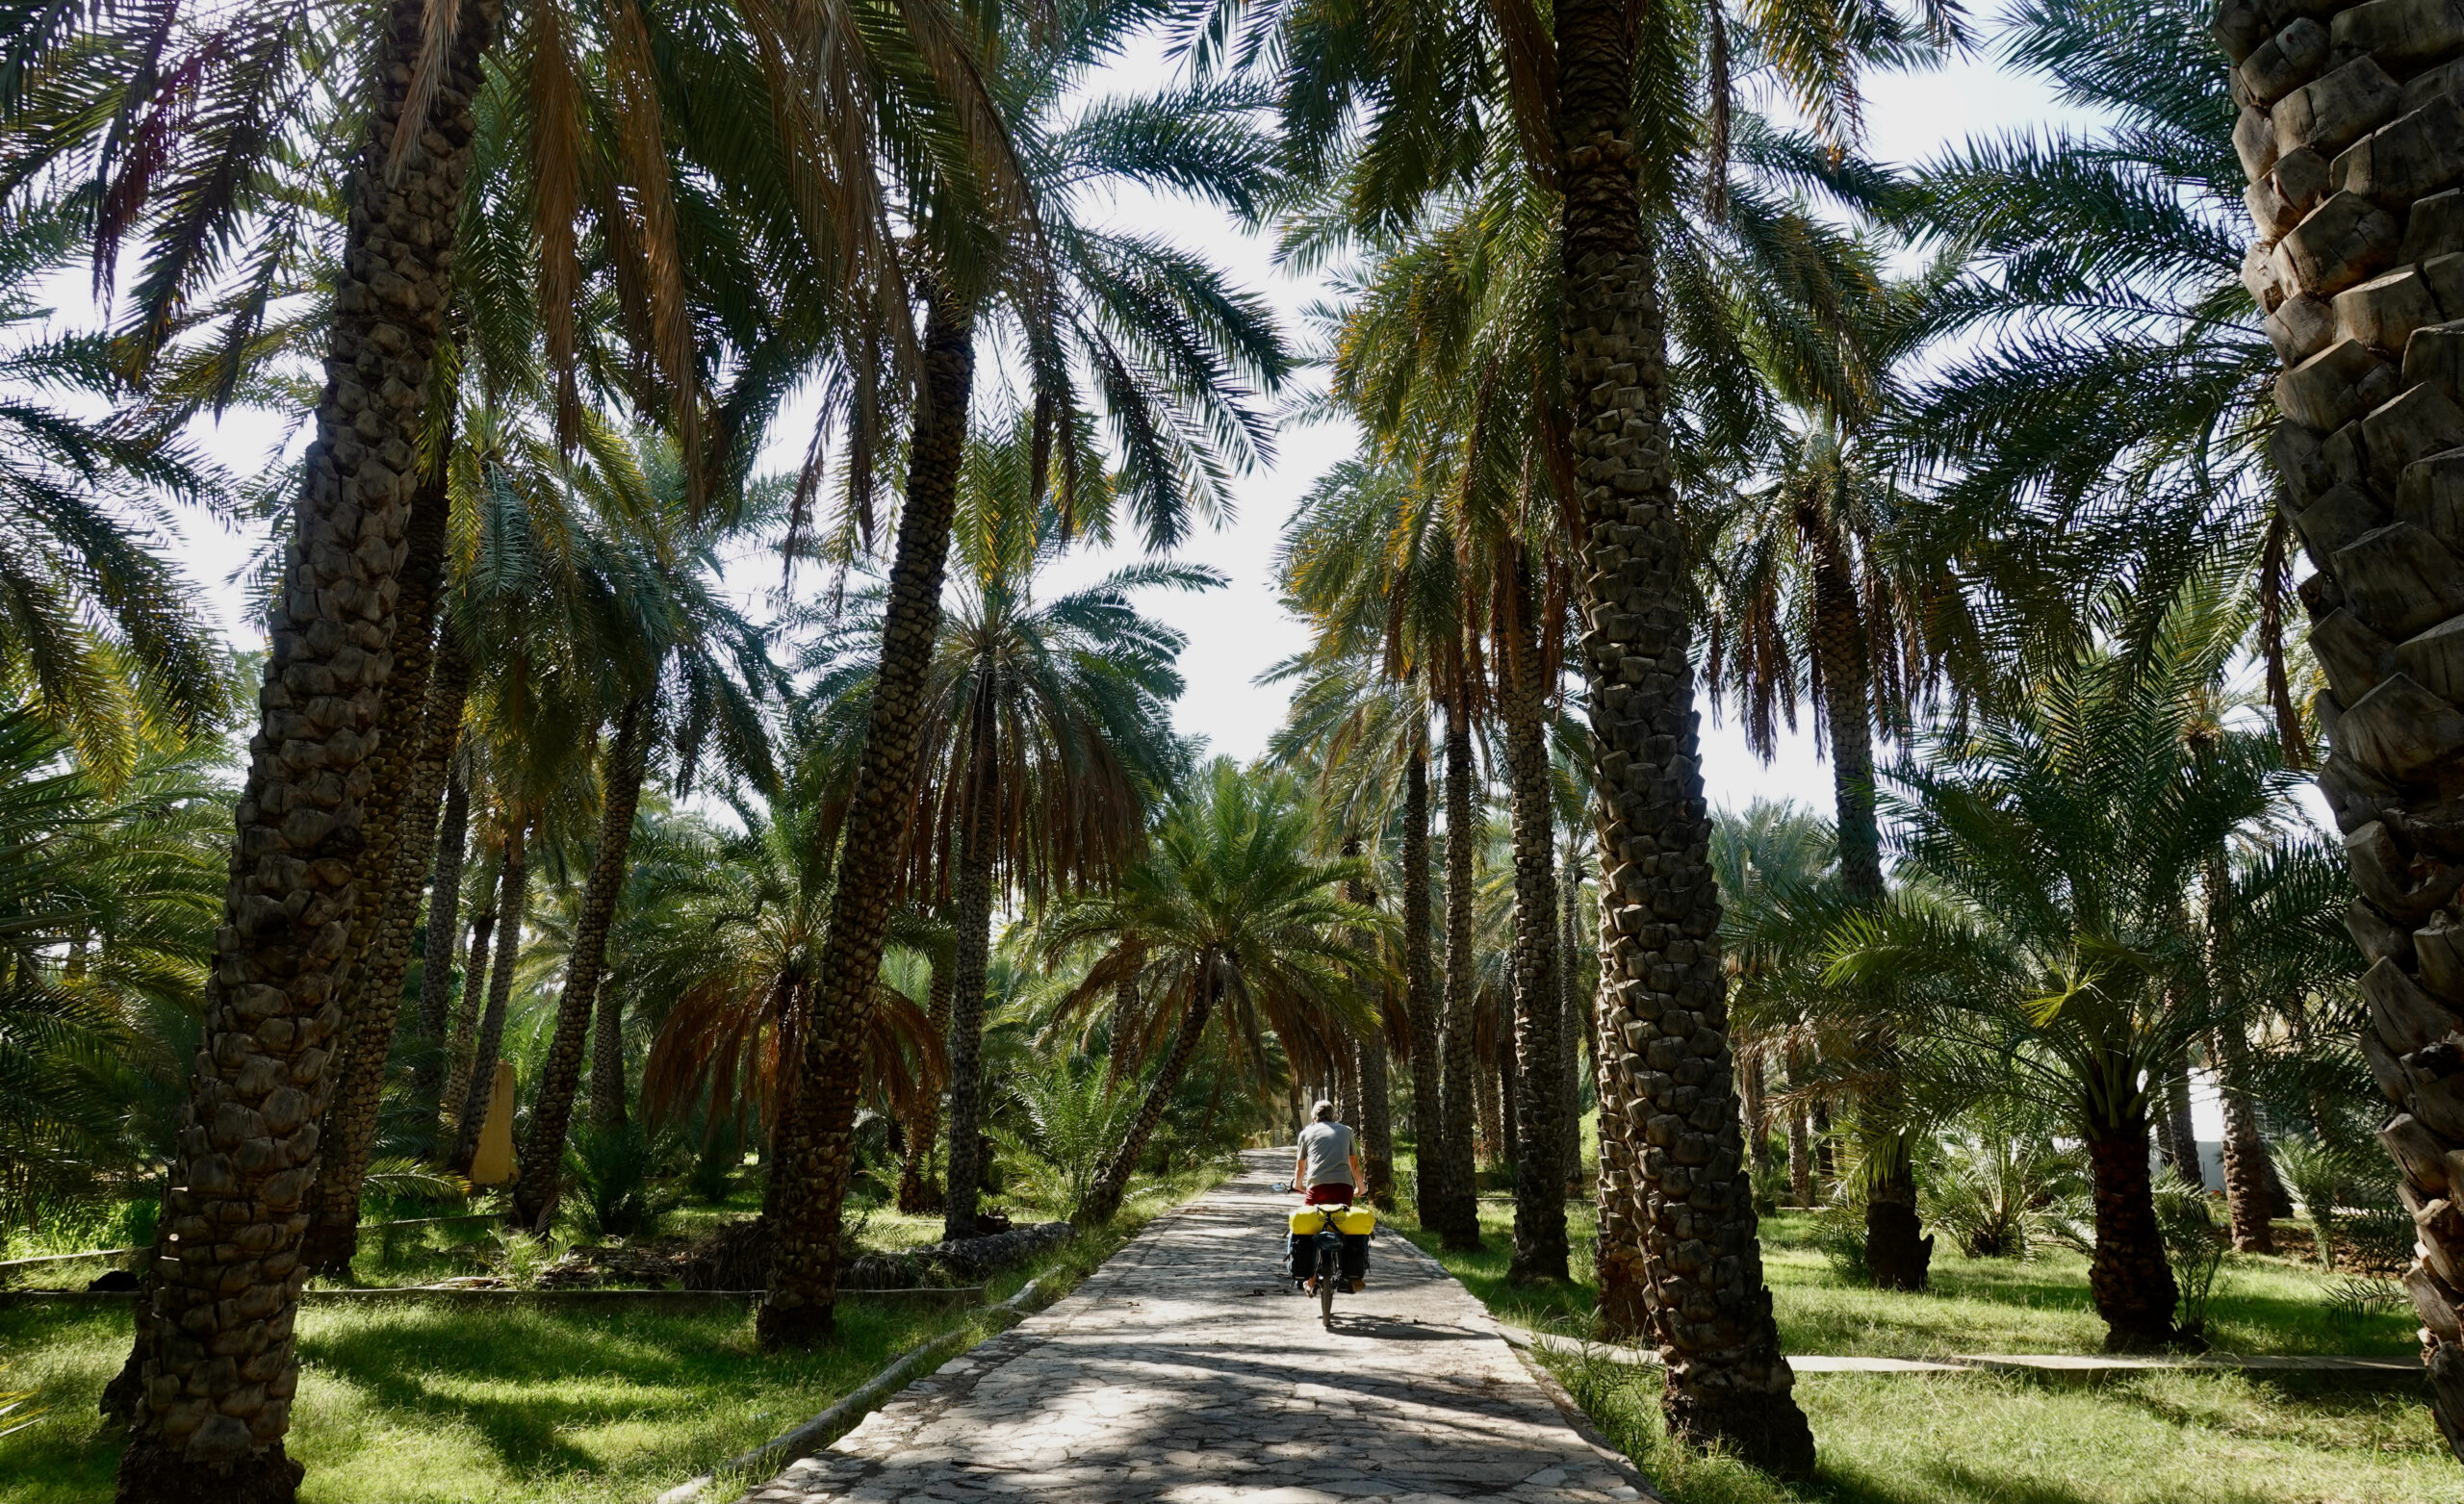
1047,735
1175,353
1235,926
2349,322
1366,737
218,1384
1369,559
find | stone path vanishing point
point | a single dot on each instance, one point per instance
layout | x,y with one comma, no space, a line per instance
1182,1371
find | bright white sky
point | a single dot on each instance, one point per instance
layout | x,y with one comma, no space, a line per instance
1237,632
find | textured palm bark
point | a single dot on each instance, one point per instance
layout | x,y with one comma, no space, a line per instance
2129,1279
466,1008
1420,998
1664,1024
919,1194
2182,1139
1800,1158
1377,1125
1498,1097
1623,1314
1897,1254
1543,1118
1120,1056
551,1105
444,927
1488,1138
2247,1184
1459,1213
513,897
816,1141
2349,119
607,1105
1756,1117
971,912
1369,1065
351,1122
1571,1011
1111,1184
2249,1195
215,1347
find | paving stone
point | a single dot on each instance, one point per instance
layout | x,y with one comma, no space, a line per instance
1183,1371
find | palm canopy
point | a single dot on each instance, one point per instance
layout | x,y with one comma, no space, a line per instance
1079,688
2043,946
97,632
2095,442
107,902
1230,908
740,925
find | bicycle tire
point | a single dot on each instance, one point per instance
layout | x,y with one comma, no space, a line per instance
1326,1288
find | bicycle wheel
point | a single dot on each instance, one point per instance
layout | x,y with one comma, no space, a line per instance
1326,1288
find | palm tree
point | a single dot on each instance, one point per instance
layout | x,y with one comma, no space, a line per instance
712,665
97,634
1174,353
1368,558
736,942
1366,737
1238,927
2386,587
1047,734
109,895
2046,950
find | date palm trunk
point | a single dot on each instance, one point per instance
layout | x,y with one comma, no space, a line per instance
466,1012
444,927
2248,1194
816,1140
1458,1225
1575,1022
513,896
1369,1065
918,1193
1110,1186
351,1122
1897,1254
2372,415
2129,1280
1664,1024
1120,1056
1497,1086
2182,1139
551,1105
971,912
1420,997
215,1347
1544,1117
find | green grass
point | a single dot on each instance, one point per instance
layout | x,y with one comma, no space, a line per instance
2261,1304
2155,1438
420,1404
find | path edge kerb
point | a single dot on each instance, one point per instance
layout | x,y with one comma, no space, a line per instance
816,1433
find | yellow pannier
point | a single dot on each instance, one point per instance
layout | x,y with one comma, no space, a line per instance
1355,1221
1308,1221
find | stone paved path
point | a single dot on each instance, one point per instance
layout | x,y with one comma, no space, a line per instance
1181,1371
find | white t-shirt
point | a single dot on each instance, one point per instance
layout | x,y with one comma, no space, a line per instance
1326,1147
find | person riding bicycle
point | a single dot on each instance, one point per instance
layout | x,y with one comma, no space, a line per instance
1327,1170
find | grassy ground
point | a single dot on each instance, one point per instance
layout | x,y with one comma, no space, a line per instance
427,1406
2161,1438
2261,1305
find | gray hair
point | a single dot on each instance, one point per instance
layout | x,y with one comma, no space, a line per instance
1324,1112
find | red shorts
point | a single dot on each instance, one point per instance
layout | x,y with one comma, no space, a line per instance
1337,1195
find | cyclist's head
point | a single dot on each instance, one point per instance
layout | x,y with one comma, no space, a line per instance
1324,1112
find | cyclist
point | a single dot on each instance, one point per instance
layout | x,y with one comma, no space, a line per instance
1327,1170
